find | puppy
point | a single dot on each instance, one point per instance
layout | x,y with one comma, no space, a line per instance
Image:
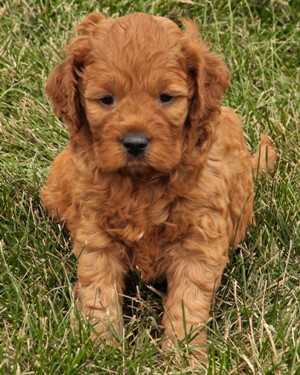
156,176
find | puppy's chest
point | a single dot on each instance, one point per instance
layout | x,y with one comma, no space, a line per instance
133,222
146,229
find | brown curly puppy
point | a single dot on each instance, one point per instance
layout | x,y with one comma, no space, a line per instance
156,176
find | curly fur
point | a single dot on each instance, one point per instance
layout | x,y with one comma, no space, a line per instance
176,212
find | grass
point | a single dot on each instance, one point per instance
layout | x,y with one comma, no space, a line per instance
256,316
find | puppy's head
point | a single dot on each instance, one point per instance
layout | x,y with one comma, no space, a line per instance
138,92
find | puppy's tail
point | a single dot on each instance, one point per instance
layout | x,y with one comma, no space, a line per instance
265,158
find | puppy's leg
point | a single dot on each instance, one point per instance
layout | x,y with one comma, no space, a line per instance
98,292
192,279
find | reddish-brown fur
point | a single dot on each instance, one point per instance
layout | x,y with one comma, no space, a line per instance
177,211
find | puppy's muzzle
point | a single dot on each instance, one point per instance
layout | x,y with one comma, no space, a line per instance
135,143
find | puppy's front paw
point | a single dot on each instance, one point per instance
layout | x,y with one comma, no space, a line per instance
192,354
105,318
190,347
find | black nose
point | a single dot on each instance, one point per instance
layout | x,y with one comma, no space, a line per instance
135,143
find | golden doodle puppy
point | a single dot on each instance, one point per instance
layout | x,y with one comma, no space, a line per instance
156,176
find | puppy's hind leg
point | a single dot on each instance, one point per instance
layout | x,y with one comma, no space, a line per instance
265,159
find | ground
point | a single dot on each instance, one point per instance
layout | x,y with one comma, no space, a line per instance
256,316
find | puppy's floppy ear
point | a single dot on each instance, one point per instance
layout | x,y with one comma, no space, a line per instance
209,74
62,89
62,84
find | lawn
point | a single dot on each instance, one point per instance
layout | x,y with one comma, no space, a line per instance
256,316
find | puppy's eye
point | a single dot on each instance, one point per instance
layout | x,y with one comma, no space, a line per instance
165,98
107,100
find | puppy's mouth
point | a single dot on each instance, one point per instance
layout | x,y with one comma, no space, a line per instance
136,160
136,165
